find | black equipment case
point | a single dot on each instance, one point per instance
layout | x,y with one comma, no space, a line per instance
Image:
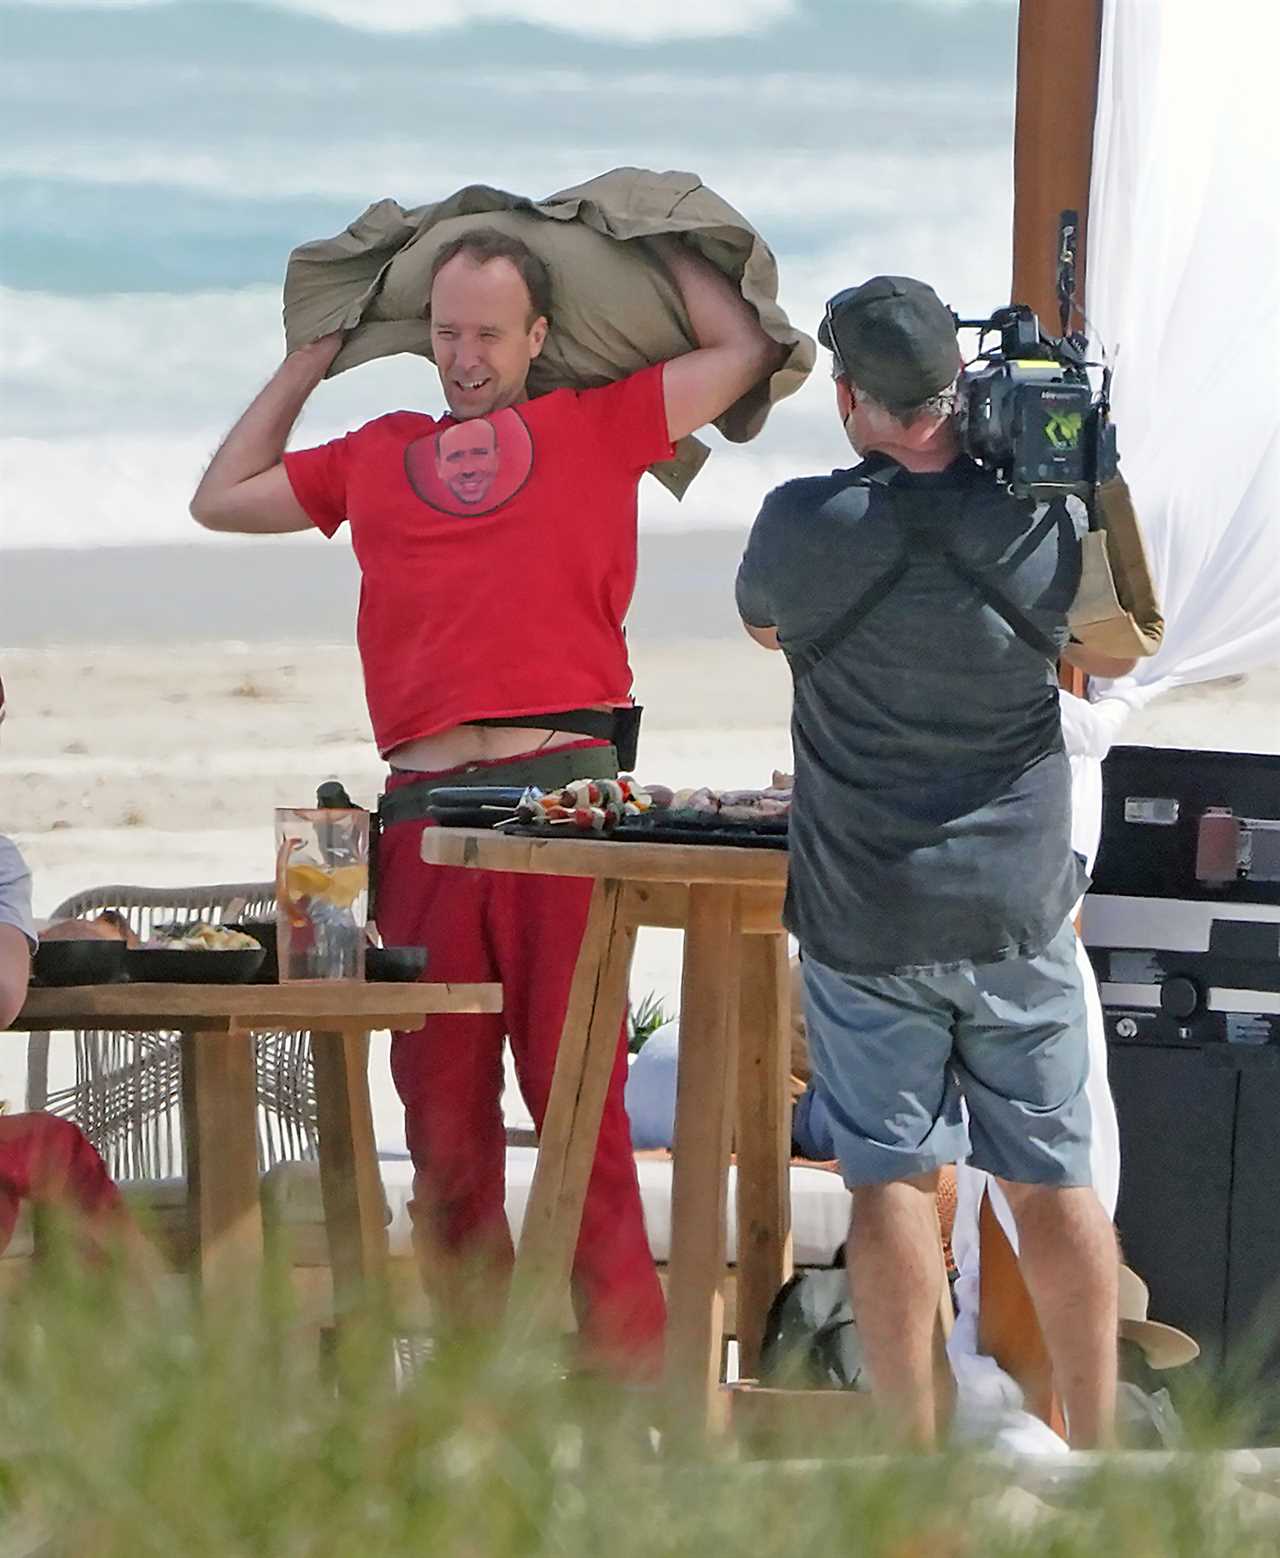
1183,929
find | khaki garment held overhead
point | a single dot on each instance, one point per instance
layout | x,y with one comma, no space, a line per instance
614,308
1115,610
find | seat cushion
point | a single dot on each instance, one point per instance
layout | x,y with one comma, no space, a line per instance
819,1203
291,1202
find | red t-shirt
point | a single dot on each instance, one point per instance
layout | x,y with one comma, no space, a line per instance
497,555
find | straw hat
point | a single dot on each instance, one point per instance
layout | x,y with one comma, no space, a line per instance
1164,1346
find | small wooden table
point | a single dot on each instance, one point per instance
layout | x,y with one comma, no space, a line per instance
219,1094
734,1019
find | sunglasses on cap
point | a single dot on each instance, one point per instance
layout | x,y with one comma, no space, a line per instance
838,369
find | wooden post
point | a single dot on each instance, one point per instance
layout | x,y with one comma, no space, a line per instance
709,997
1058,44
1057,95
350,1184
571,1127
219,1099
763,1138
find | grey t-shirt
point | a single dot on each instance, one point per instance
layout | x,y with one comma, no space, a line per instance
15,891
930,825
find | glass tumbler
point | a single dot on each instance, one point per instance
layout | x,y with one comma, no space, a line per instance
322,892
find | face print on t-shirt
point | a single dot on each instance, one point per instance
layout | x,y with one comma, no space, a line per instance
471,467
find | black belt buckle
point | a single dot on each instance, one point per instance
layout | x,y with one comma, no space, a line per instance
626,735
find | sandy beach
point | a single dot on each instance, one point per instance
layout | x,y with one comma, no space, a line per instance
162,765
160,762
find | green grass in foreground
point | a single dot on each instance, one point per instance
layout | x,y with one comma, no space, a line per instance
129,1430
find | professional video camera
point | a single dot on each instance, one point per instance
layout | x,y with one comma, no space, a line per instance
1028,412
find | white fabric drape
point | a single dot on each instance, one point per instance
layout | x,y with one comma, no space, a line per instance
1183,267
1183,273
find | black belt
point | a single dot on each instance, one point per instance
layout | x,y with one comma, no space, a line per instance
621,726
547,770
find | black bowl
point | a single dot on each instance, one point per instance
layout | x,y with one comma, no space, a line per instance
264,933
91,961
398,965
200,966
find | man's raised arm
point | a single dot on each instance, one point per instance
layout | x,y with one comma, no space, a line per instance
733,352
245,488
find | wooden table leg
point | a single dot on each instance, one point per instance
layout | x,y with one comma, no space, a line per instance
709,997
355,1205
220,1099
762,1138
571,1128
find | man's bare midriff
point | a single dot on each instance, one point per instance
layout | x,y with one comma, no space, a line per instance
474,744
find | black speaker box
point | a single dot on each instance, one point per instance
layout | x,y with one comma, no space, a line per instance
1183,928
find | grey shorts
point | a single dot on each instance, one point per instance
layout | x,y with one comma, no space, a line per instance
894,1054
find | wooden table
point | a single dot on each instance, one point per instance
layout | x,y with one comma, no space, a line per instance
734,1020
219,1094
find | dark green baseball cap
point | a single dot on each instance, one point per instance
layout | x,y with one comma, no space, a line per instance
895,338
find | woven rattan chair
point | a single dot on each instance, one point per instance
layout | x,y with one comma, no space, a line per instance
127,1091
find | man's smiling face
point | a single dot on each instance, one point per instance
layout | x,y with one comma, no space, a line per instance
467,459
483,334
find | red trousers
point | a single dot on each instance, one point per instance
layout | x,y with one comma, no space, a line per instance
45,1159
523,931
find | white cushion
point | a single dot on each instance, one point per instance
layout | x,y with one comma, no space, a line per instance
819,1203
291,1196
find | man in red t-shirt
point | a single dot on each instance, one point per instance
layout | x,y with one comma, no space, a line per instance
497,567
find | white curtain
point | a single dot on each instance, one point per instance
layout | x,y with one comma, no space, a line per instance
1184,295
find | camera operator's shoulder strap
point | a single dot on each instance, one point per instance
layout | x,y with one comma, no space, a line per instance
999,602
880,470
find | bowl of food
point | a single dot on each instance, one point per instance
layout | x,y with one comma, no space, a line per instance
397,965
88,950
264,933
199,955
87,960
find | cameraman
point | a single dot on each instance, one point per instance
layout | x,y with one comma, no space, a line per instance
922,609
